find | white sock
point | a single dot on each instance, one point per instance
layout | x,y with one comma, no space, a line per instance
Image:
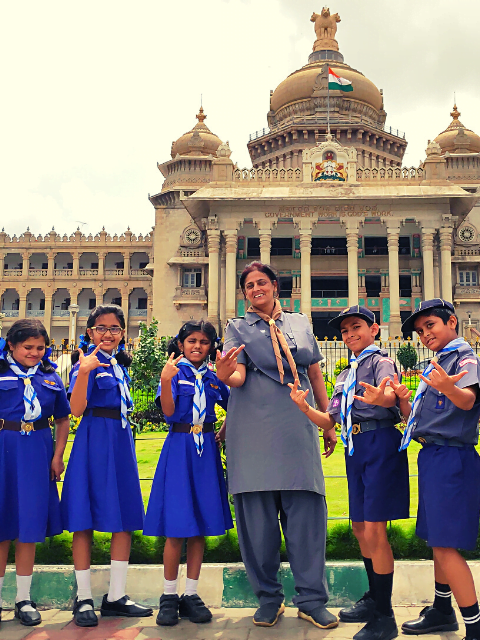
84,588
170,586
1,586
191,587
118,580
23,591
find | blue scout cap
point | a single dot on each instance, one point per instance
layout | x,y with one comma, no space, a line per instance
435,303
356,310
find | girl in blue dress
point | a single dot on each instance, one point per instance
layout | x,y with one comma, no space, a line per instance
188,497
102,488
30,393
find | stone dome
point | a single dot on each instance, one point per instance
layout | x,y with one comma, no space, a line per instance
301,85
457,138
199,141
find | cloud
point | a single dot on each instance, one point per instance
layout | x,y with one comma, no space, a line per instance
96,92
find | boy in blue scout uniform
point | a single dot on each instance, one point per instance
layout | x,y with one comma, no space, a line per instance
377,472
444,419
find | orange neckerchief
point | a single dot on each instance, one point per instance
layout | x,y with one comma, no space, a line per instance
277,337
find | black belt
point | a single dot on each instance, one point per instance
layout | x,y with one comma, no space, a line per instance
102,412
443,442
186,427
12,425
371,425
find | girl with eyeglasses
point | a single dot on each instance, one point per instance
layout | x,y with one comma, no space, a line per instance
102,487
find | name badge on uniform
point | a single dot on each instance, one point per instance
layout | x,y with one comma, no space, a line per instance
336,402
440,402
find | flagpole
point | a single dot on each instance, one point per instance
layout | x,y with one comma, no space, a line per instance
328,100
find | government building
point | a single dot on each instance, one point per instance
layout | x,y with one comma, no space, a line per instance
327,202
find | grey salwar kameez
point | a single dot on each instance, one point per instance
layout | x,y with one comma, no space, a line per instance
274,463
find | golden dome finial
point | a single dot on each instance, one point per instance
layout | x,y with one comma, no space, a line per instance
455,113
200,115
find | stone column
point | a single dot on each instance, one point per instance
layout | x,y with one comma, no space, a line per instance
223,290
446,259
149,307
395,324
306,272
2,263
101,263
47,318
125,299
436,275
427,250
99,296
126,263
22,308
265,245
26,263
72,326
352,250
231,272
213,271
76,263
51,264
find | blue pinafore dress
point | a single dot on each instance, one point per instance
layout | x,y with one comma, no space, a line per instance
29,504
188,496
102,487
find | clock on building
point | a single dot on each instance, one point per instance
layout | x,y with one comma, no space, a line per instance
466,233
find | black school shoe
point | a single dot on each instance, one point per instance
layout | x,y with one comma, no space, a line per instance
120,608
380,627
27,618
361,611
268,614
86,618
431,620
193,608
320,617
168,613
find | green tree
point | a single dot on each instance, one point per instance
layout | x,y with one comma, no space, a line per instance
149,357
340,365
407,356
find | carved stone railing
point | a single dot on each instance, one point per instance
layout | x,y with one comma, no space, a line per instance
411,175
88,272
138,272
474,251
189,295
11,313
15,273
35,313
467,292
267,175
192,253
114,272
63,272
37,273
61,313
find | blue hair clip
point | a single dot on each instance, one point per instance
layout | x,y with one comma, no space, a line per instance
3,348
83,343
121,347
46,358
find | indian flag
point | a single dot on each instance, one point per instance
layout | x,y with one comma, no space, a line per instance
338,84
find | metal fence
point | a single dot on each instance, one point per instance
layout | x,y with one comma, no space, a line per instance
335,357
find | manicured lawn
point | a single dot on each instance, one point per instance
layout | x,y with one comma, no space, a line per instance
149,445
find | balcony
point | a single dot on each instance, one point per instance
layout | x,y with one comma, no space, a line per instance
63,272
37,273
138,272
88,272
114,272
190,295
463,292
12,273
60,313
10,313
35,313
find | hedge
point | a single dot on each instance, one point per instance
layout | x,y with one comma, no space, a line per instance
341,545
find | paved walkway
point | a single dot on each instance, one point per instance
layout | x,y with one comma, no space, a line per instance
227,624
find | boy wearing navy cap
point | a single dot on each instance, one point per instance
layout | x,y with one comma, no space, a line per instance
377,472
444,419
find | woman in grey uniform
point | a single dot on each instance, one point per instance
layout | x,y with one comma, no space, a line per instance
274,463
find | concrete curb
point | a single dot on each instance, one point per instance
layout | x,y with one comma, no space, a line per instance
226,585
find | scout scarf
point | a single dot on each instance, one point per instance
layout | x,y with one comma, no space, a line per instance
199,409
454,345
347,397
277,337
33,409
126,404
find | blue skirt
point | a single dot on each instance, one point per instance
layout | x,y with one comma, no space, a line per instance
188,496
102,488
29,505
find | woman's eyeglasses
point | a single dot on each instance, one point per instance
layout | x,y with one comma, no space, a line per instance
115,331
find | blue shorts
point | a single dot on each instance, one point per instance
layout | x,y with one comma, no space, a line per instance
448,496
377,474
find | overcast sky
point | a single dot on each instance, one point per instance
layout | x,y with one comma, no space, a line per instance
94,92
